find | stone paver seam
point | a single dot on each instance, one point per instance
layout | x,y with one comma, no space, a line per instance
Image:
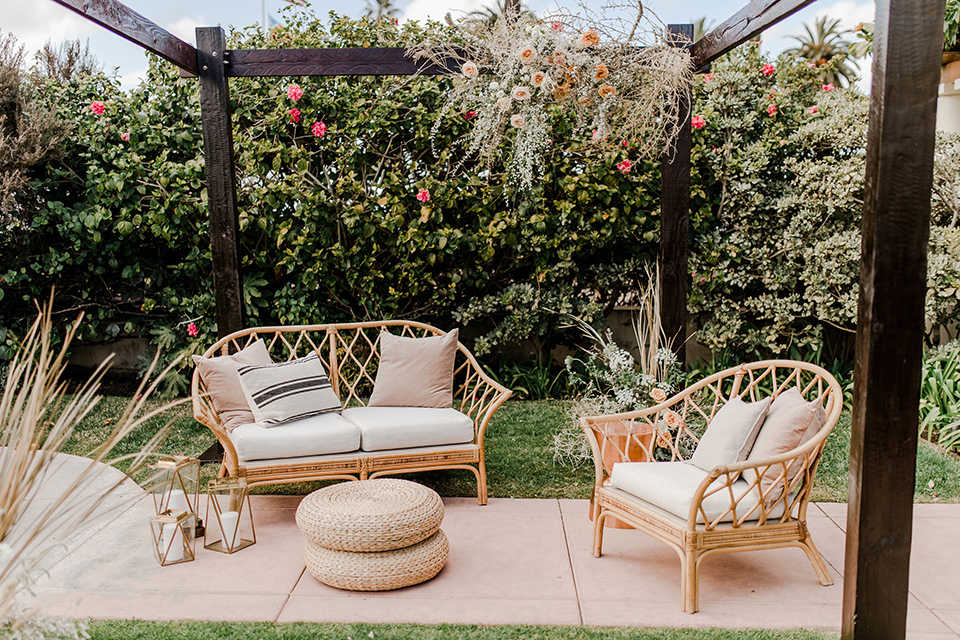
935,613
573,574
286,601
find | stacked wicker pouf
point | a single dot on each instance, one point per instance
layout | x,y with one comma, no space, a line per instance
373,535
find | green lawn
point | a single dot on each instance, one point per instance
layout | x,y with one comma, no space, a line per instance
519,457
133,629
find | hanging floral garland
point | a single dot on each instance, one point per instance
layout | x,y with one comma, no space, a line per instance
619,77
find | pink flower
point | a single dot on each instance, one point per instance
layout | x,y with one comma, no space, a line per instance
595,136
708,77
98,107
625,166
396,21
318,129
768,69
294,115
192,330
469,114
125,136
814,110
697,122
828,87
626,144
556,26
294,92
772,110
423,195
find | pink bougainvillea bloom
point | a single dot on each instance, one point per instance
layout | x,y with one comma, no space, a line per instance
319,129
469,114
626,144
294,115
828,87
423,195
625,166
98,107
192,330
294,92
125,136
772,110
697,122
814,110
768,69
595,136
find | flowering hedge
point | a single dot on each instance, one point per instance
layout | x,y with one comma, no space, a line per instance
349,211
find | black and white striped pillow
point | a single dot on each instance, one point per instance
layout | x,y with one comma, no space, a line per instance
287,391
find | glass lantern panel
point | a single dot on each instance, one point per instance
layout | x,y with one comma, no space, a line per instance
229,518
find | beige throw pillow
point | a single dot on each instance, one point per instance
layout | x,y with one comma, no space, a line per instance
790,422
223,383
731,434
415,372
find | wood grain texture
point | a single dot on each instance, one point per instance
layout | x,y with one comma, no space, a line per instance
221,183
347,61
908,39
741,26
129,24
675,220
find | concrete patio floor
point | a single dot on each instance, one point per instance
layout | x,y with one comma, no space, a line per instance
511,562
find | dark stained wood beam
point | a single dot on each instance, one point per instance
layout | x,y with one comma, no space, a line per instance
907,45
327,62
675,219
127,23
741,26
221,181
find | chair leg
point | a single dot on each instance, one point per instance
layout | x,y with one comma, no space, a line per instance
598,518
482,483
813,554
690,581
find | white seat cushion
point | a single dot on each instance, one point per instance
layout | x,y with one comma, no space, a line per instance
671,485
384,428
316,435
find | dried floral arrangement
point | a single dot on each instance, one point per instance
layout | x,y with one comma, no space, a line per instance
615,70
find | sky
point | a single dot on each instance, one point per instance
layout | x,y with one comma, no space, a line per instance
35,21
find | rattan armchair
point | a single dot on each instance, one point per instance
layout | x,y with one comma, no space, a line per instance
747,516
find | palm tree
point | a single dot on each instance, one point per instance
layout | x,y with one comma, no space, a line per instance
379,9
826,47
489,15
701,27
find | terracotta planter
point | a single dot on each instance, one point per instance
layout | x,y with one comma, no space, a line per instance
636,452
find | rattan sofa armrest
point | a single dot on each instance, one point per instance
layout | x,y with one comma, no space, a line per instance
479,394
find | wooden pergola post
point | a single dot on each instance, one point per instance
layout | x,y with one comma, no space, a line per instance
221,180
908,40
675,218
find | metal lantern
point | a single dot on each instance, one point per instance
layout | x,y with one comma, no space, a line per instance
230,525
175,484
173,537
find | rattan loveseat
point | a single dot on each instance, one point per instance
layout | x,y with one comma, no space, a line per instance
728,508
350,354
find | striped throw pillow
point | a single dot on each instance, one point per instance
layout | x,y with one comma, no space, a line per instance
288,391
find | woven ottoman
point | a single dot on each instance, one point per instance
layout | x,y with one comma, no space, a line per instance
373,535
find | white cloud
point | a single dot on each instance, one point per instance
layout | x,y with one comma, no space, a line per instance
185,27
35,22
131,79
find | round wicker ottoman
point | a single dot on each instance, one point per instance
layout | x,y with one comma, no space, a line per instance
373,535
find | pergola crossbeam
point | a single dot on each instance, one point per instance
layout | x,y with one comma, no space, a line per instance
347,61
127,23
741,26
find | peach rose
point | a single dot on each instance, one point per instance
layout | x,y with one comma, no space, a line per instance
589,38
517,121
527,54
600,72
673,419
607,91
658,394
469,69
504,103
559,57
521,92
537,78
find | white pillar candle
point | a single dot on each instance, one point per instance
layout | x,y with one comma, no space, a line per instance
177,501
172,543
229,521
